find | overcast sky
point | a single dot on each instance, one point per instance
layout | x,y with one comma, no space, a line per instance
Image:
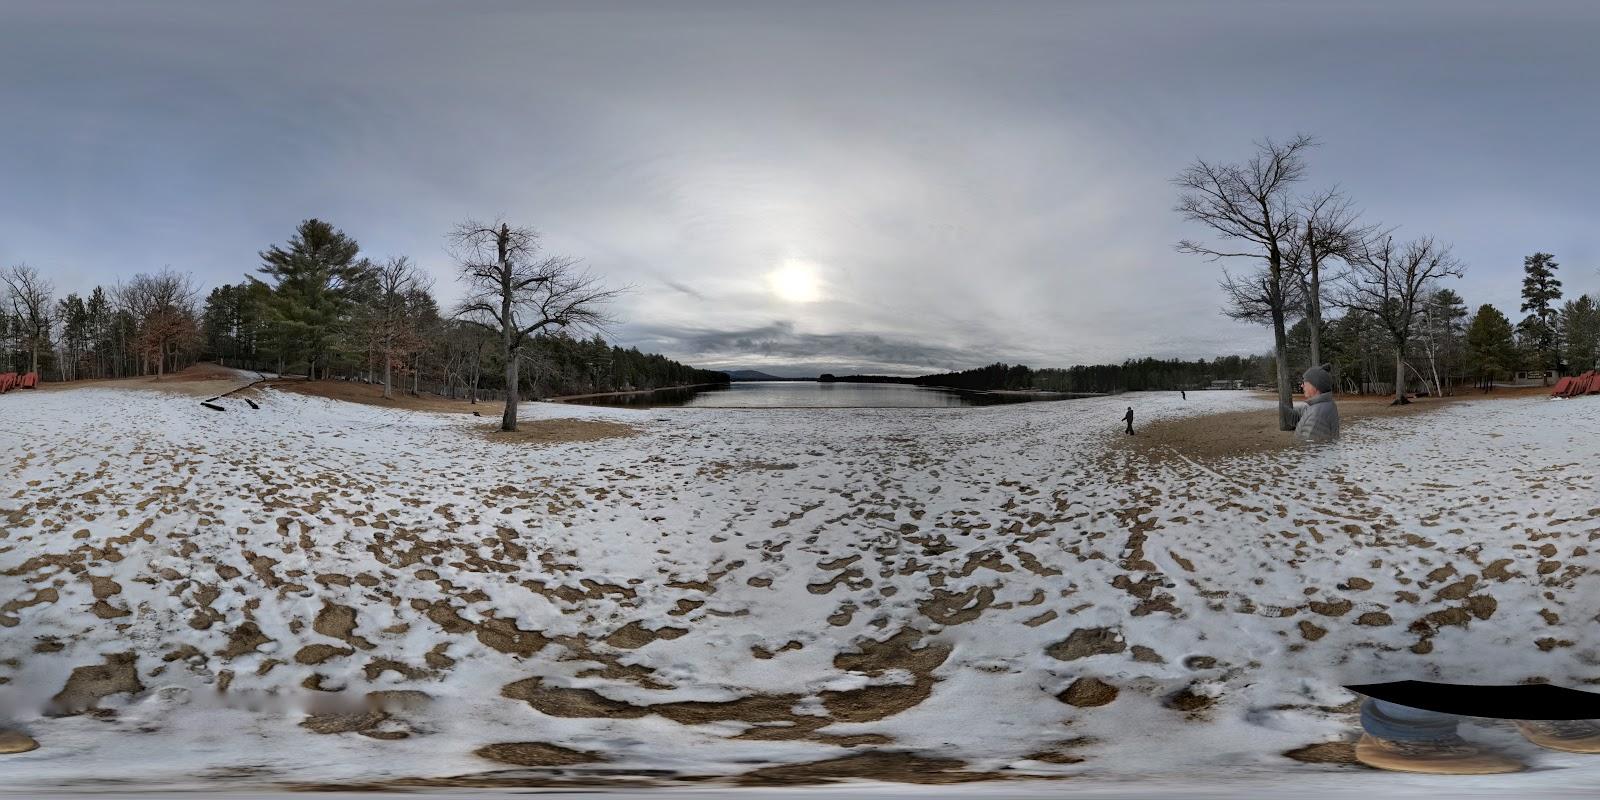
862,186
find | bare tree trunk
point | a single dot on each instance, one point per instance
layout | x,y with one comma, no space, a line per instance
1314,303
388,381
1399,376
1316,346
508,420
1280,342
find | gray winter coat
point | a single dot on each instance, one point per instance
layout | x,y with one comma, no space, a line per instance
1317,420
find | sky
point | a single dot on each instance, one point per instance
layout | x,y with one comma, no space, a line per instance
890,187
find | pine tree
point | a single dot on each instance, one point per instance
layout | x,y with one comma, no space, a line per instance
101,343
315,279
1540,291
1491,346
74,317
1440,331
1580,326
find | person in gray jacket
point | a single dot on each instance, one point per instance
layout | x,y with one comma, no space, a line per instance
1405,739
1318,420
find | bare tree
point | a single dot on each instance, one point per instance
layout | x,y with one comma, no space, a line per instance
1247,207
1390,282
391,330
163,309
30,302
516,292
1328,232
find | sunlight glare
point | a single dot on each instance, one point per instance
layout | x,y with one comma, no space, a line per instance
795,282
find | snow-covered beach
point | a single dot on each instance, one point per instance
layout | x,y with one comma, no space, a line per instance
945,594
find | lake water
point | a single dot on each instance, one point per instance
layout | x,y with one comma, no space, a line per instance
809,394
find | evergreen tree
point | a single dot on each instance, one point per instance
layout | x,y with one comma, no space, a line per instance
1540,291
315,280
1491,346
1441,328
1580,328
74,341
107,361
234,325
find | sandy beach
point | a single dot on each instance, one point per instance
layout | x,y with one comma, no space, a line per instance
391,597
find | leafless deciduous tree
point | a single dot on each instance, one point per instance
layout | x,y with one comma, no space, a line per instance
1248,209
1328,232
391,330
163,309
517,291
29,295
1390,281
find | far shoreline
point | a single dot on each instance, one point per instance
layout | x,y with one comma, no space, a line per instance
570,397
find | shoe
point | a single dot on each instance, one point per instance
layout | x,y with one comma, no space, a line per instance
1452,756
1569,736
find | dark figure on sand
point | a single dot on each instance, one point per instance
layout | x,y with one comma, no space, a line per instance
1128,418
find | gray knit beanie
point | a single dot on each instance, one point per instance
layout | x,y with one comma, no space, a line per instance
1319,377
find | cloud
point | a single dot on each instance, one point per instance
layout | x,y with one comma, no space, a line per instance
779,343
971,184
679,287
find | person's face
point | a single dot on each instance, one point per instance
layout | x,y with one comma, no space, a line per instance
1308,389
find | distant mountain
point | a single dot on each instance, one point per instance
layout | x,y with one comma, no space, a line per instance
757,375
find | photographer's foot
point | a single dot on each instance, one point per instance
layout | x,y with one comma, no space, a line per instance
1570,736
1452,756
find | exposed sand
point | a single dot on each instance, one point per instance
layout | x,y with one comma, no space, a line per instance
530,429
200,380
1238,433
376,597
372,395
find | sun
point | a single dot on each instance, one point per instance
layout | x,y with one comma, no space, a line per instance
796,282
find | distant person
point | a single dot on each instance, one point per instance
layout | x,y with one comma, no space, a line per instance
1183,394
1128,418
1318,420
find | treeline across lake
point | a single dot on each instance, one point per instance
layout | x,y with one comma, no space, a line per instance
317,307
1132,375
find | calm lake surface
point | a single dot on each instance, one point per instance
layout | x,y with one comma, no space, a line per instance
808,394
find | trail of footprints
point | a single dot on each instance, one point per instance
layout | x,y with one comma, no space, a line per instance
256,565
